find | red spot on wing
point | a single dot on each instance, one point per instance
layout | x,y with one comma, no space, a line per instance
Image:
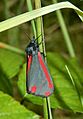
33,89
45,70
50,85
47,93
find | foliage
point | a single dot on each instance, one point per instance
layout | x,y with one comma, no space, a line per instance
68,93
11,109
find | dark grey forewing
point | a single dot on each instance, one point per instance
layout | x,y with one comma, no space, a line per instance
36,78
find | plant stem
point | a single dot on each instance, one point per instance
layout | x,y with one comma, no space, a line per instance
29,5
8,47
39,31
39,27
65,32
45,108
49,107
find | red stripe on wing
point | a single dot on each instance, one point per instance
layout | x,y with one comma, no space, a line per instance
29,63
45,70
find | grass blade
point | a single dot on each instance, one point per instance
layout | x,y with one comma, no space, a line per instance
8,47
75,85
17,20
65,32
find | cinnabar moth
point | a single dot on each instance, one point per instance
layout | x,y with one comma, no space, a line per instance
38,79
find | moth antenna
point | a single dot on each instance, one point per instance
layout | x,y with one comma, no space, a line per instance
27,36
38,37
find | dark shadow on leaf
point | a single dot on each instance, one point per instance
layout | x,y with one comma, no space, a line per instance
38,109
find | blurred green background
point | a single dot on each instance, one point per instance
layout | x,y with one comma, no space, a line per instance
53,36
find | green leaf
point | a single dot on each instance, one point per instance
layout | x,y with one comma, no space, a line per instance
11,109
5,84
15,21
10,62
65,95
74,68
64,88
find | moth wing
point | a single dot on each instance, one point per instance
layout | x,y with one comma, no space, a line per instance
38,82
